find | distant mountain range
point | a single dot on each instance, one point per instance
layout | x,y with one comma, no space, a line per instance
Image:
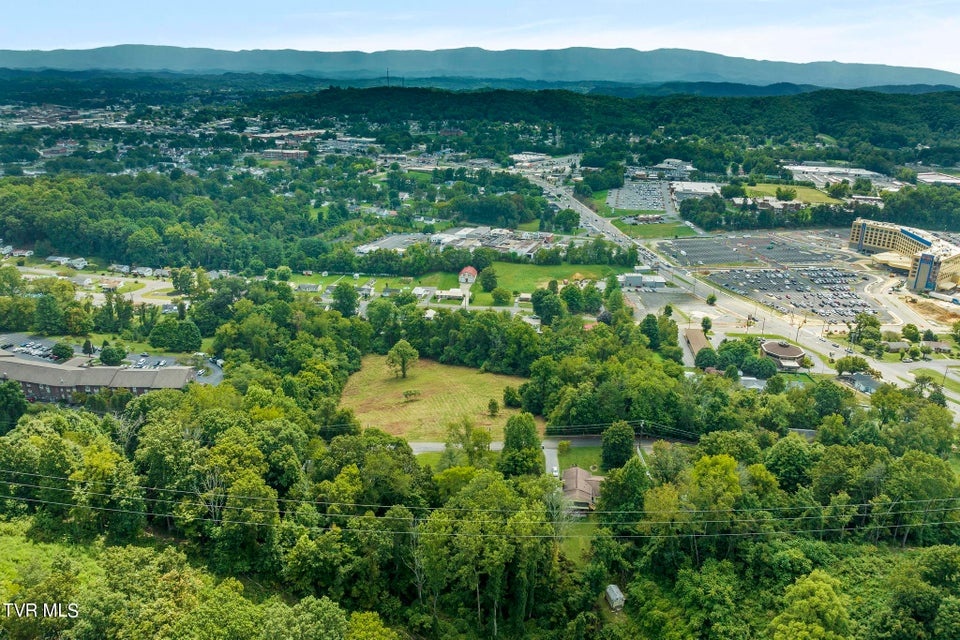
471,65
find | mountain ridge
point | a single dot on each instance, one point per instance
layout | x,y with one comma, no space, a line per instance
575,64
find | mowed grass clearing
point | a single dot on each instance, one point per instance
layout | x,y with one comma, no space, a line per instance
663,230
804,194
527,277
447,393
583,457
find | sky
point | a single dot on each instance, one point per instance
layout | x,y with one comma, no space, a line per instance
917,33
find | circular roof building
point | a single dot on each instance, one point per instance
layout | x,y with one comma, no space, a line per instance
783,352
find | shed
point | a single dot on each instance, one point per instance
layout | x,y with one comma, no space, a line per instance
614,597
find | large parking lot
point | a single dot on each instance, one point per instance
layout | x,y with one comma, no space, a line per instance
832,294
637,196
701,252
777,250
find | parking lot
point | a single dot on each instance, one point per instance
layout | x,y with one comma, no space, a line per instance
832,294
774,249
711,251
637,196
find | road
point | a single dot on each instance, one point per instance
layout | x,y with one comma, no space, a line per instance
807,334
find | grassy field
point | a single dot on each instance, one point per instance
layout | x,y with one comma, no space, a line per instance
599,201
527,277
576,543
130,287
948,383
447,394
804,194
429,459
665,230
533,225
583,457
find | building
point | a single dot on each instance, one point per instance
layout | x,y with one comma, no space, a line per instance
468,275
934,263
865,383
581,487
696,340
284,154
48,382
614,597
937,346
786,355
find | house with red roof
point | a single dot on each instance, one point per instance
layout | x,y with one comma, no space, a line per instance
468,275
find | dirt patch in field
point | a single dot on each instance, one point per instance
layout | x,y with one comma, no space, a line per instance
936,312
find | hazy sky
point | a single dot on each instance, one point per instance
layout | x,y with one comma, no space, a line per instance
922,33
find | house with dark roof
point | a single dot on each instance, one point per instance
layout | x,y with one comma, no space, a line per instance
581,487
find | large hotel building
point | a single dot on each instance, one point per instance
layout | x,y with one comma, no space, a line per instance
932,263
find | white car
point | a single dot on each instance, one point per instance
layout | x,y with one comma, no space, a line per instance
556,472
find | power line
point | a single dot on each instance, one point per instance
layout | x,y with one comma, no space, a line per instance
459,534
684,511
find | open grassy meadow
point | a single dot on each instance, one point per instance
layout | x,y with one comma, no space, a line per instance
804,194
446,394
665,230
527,277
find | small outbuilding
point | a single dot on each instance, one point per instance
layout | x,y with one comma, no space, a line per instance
614,597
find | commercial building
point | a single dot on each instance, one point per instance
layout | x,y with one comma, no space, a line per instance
786,355
934,262
48,382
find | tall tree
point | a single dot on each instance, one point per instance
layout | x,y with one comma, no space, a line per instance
618,443
401,357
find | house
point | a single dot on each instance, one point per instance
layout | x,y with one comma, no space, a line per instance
865,383
468,275
389,292
429,314
306,287
450,294
896,346
614,597
60,260
110,285
78,263
937,346
120,268
581,488
146,272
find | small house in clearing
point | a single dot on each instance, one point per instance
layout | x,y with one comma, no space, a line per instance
468,275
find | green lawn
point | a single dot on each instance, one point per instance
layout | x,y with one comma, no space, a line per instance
600,204
664,230
437,279
447,394
130,287
948,383
576,542
583,457
429,459
804,194
527,277
533,225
